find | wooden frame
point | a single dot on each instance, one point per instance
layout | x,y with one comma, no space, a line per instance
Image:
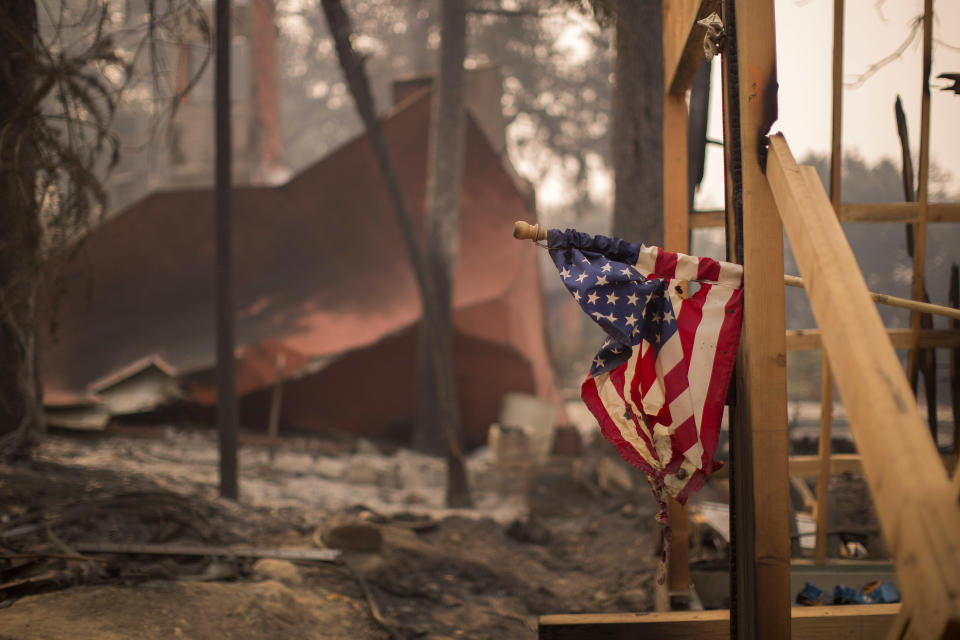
852,622
916,501
890,212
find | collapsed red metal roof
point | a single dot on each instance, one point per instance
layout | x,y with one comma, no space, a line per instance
322,275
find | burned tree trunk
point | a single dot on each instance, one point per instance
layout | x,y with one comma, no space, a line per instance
21,408
637,127
442,384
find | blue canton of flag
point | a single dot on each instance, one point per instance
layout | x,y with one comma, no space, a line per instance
628,306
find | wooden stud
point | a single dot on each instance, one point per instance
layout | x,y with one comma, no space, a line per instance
916,504
676,227
809,339
683,41
953,298
678,564
850,622
706,219
899,212
676,233
761,529
824,450
920,226
840,463
826,387
906,212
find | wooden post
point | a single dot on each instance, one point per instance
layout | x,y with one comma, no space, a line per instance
678,567
676,225
760,488
920,226
954,301
824,450
826,388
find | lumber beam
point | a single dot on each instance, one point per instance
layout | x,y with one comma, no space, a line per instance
851,622
852,463
906,212
916,505
706,219
810,339
822,511
683,41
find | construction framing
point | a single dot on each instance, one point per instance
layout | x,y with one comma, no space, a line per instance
916,500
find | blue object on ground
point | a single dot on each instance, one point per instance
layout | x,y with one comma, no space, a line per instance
810,595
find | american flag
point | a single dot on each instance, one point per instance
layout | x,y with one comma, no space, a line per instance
658,384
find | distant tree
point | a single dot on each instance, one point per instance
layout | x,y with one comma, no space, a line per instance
638,122
62,75
555,62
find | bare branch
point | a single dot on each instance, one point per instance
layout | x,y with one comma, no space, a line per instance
876,66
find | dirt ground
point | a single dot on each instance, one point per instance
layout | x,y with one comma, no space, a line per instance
545,541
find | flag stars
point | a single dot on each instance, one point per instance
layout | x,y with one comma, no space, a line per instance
606,268
612,298
632,298
592,298
668,316
598,362
631,320
576,295
565,273
602,280
582,277
626,271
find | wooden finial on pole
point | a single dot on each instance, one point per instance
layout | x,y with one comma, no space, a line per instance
525,231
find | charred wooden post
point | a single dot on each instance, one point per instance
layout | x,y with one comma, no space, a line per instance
226,365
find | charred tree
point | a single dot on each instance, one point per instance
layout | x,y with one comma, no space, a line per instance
442,384
62,76
21,233
637,123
